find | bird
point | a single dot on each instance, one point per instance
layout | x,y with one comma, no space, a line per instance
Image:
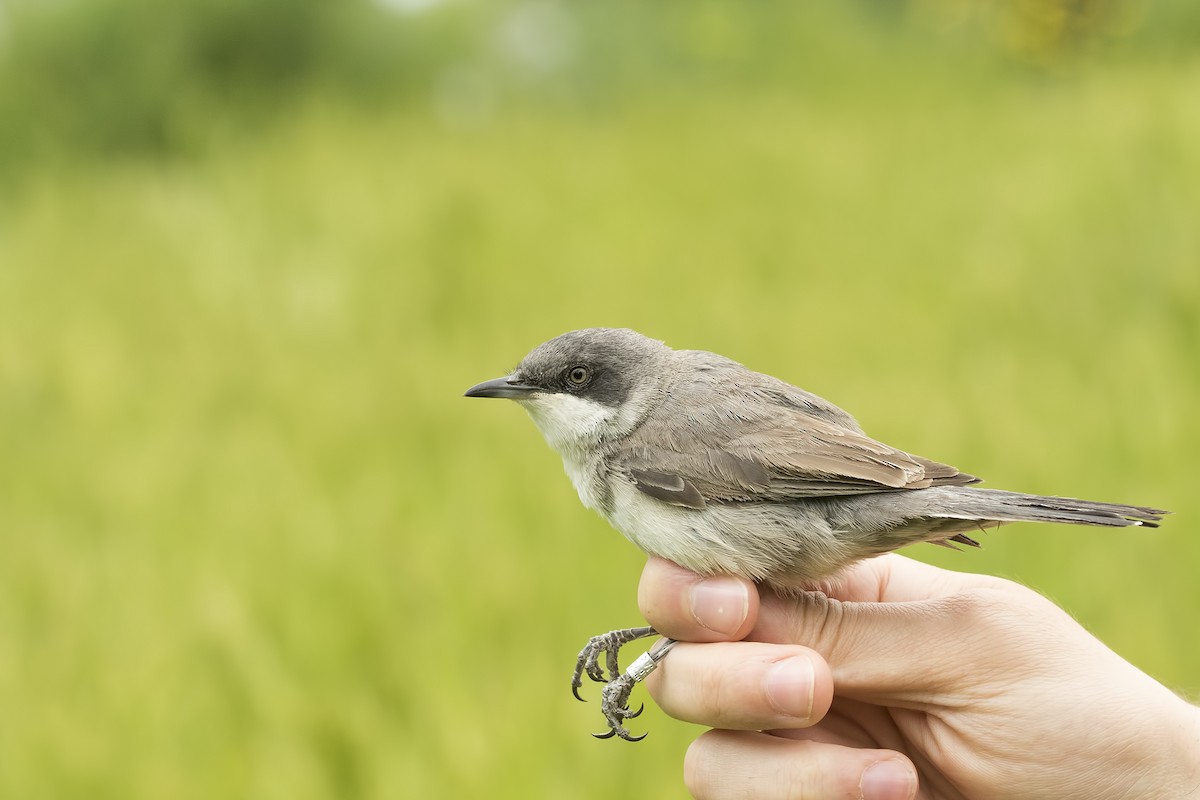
697,459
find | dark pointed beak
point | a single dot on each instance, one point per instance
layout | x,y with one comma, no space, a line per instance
509,387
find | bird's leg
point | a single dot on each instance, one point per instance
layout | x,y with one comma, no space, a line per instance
614,703
610,643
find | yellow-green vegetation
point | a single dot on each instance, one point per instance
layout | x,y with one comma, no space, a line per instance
256,545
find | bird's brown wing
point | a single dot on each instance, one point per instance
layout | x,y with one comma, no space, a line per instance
752,445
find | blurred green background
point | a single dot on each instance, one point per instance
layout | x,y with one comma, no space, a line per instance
251,253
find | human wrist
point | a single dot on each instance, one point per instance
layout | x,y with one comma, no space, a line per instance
1180,751
1190,755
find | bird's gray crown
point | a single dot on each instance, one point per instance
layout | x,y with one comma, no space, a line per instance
602,364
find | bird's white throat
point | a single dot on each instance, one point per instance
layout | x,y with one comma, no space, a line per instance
574,426
569,422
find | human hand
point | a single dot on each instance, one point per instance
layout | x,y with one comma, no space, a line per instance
905,681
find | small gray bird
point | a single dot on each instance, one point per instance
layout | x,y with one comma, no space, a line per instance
699,460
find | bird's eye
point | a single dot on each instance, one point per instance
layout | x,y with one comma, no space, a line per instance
578,376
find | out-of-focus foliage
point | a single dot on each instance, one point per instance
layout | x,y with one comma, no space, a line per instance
121,76
1049,32
105,77
255,544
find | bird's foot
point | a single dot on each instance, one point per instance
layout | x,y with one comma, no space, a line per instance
607,644
614,702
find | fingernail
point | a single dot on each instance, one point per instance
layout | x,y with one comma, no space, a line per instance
888,780
720,604
790,686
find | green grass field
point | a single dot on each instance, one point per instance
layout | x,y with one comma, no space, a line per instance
257,545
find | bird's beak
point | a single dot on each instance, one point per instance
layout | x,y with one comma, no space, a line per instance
510,387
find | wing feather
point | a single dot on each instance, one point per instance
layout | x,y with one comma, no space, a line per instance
771,441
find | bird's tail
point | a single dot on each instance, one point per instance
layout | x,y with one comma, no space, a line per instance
951,514
999,506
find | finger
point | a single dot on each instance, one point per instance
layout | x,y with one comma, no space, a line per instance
743,685
686,606
893,578
908,653
758,766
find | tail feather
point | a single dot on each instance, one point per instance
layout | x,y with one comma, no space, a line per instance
1001,506
948,515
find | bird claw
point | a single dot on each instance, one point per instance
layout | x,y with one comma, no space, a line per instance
608,645
627,736
618,685
614,705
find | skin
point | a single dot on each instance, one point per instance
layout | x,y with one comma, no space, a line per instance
906,681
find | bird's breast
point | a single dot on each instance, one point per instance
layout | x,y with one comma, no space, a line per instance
784,544
686,536
586,471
